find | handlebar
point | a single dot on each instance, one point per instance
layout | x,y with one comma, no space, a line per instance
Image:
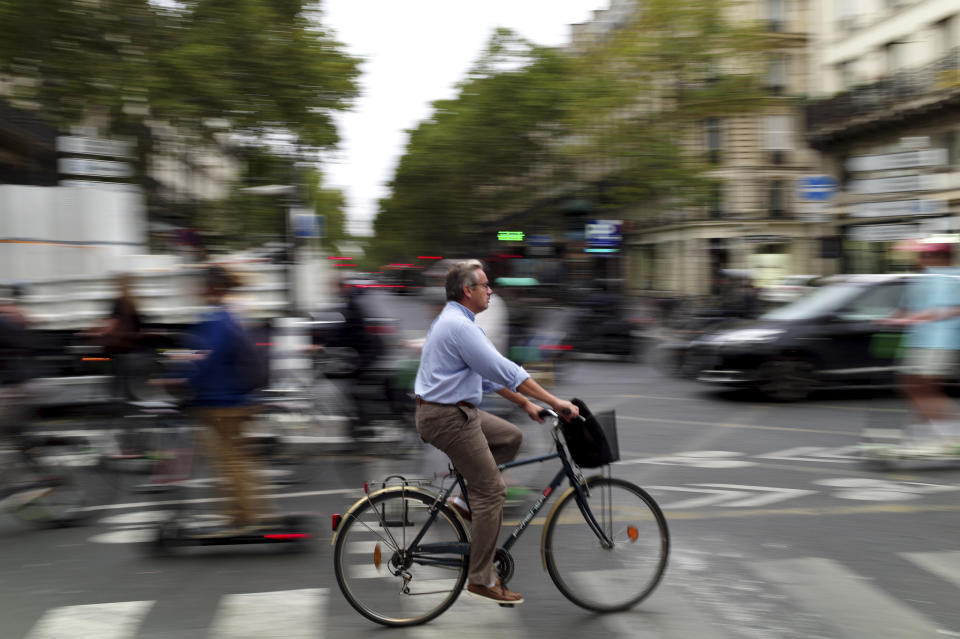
547,412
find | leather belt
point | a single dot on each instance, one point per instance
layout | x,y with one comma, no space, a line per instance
421,402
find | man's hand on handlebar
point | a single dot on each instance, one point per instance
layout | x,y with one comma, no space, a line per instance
566,410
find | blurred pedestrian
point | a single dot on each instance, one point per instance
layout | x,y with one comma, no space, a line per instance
120,337
458,365
931,317
17,362
223,396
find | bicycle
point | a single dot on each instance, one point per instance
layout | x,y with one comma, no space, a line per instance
401,554
51,480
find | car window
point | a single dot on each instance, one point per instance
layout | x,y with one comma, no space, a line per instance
875,302
815,304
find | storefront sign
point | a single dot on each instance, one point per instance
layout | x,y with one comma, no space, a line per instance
926,182
96,168
603,233
885,232
82,145
898,207
904,160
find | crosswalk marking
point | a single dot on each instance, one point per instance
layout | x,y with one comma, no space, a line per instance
847,602
292,614
945,565
664,614
844,604
469,617
119,620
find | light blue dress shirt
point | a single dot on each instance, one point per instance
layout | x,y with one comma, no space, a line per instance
939,288
458,362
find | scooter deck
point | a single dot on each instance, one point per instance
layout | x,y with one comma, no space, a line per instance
288,528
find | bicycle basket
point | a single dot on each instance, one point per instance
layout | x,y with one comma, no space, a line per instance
593,441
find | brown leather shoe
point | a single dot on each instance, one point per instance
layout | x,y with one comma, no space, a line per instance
457,508
497,594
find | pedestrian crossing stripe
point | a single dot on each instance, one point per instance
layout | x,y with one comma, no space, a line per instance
845,603
297,613
119,620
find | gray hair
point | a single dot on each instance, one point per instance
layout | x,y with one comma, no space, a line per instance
462,274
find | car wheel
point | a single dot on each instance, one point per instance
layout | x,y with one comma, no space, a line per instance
786,379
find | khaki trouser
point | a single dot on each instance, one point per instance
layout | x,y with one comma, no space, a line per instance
223,436
475,441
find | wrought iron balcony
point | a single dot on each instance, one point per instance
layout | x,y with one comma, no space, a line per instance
904,94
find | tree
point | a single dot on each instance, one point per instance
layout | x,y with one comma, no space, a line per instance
474,155
611,120
212,71
645,89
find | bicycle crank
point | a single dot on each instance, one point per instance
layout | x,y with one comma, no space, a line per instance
503,564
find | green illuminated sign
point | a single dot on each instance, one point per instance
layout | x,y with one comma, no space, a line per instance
510,236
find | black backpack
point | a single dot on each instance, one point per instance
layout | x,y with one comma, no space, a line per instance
252,359
591,440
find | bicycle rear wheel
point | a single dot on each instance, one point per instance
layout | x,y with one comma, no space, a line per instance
372,572
606,579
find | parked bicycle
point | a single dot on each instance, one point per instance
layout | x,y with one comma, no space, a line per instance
401,553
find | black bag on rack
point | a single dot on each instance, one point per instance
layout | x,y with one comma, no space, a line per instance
592,441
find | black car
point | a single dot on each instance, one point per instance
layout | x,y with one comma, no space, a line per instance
832,337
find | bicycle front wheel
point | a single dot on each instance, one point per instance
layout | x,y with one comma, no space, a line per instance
597,576
378,573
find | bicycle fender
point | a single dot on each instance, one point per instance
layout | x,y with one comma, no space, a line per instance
363,500
553,512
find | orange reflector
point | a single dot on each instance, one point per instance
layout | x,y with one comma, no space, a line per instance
376,556
632,533
95,359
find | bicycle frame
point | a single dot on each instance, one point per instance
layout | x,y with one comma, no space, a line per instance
463,549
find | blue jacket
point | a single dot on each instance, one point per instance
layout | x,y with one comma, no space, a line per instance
216,380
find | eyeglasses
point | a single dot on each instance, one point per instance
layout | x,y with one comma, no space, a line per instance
486,284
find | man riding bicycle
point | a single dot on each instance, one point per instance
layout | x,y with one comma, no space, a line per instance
457,366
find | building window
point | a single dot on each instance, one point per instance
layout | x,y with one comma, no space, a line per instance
717,205
776,15
778,70
713,139
778,137
777,199
943,37
845,75
893,56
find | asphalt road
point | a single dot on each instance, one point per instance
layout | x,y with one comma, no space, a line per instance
778,530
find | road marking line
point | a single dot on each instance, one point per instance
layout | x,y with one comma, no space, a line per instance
294,614
850,605
685,422
119,620
945,565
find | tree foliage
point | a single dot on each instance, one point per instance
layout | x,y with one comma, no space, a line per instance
613,116
261,65
226,73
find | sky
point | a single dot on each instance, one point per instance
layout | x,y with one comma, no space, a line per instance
415,52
